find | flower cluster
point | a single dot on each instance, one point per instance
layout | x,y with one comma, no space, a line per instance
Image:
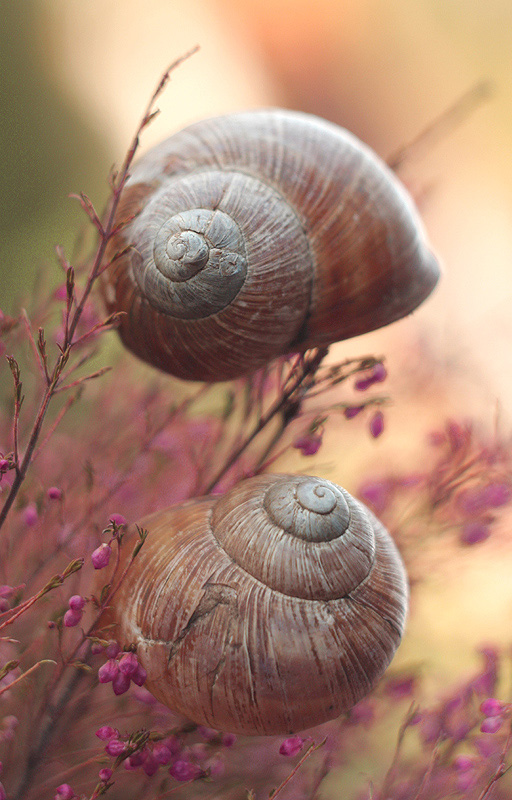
121,669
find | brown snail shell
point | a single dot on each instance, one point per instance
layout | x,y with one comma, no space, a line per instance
258,234
271,609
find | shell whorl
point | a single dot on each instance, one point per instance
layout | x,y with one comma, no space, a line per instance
314,241
247,627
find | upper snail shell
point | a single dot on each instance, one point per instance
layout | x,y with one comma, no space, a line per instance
257,234
268,610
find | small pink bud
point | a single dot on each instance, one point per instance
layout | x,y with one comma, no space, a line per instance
115,748
54,493
4,465
491,707
64,792
72,618
101,556
463,763
76,602
105,774
106,733
108,671
474,532
117,519
7,591
352,411
228,739
491,725
4,605
96,648
377,424
162,753
150,765
137,759
121,683
292,746
30,517
184,771
112,649
215,767
128,663
139,676
309,444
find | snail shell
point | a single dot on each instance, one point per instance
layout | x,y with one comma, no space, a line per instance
271,609
258,234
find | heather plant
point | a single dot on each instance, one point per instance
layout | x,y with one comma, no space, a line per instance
88,448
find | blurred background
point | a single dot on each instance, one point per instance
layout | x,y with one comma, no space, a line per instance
75,79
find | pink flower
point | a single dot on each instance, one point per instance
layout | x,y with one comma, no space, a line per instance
491,707
72,618
128,663
228,739
108,671
309,444
491,725
474,532
76,602
184,771
112,649
377,374
352,411
4,464
139,676
54,493
30,517
101,556
150,765
292,746
162,753
115,748
121,683
377,424
105,774
7,591
64,792
106,732
117,519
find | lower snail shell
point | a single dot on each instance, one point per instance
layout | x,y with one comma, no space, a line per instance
259,234
271,609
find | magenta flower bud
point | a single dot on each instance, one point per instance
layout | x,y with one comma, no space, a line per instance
206,733
463,763
309,444
139,676
76,602
105,774
215,767
115,748
377,424
352,411
161,753
150,765
117,519
4,605
491,725
6,591
491,707
64,792
108,671
101,556
112,649
228,739
474,532
138,758
54,493
121,683
128,663
30,517
173,744
184,771
4,465
106,732
96,648
72,618
292,746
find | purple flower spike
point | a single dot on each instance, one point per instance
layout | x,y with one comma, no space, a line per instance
108,671
64,792
292,746
72,618
101,556
121,683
